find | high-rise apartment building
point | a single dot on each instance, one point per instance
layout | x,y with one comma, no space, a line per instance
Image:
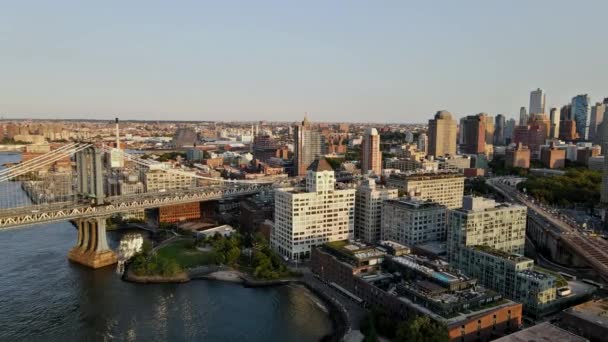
537,101
554,118
411,221
567,130
371,157
499,130
475,134
309,145
423,143
597,116
523,116
442,134
444,188
368,209
581,113
320,214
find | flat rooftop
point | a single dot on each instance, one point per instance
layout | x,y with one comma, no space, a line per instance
543,332
415,203
594,311
499,253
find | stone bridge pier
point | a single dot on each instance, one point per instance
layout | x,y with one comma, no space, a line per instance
91,248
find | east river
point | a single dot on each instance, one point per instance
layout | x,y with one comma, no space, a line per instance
45,297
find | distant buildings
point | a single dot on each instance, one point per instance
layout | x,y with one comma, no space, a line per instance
410,221
567,130
581,113
509,129
597,117
518,156
423,143
474,134
185,137
499,130
523,116
368,209
537,101
442,134
308,145
320,214
553,157
554,118
444,188
371,157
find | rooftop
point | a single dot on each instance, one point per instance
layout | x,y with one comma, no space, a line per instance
415,203
426,175
593,311
320,165
542,332
498,253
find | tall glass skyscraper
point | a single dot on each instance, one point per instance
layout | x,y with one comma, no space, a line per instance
537,101
581,113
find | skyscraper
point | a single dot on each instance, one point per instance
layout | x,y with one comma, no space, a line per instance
537,101
523,116
489,125
423,143
597,116
554,118
475,134
371,158
509,129
308,146
442,134
499,130
581,113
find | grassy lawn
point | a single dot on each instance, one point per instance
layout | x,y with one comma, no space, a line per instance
185,254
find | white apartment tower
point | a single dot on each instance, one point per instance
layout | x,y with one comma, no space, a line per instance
368,209
320,214
537,101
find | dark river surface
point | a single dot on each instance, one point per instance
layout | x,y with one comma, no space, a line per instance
45,297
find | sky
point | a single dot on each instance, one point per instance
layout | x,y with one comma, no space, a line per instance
357,61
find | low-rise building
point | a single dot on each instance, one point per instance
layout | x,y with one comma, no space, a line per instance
589,319
412,285
542,332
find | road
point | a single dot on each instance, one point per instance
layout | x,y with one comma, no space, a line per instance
593,250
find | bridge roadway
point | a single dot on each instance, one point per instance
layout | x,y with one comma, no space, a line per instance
62,211
593,250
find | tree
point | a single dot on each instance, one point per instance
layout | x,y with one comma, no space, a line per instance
421,328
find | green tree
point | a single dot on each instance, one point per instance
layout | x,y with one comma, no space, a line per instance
421,328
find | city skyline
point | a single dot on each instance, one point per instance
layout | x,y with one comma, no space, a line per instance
397,63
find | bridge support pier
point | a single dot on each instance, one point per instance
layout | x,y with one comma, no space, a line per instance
91,248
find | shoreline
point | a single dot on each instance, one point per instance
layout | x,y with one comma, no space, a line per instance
335,311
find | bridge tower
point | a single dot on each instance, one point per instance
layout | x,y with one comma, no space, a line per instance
91,248
90,175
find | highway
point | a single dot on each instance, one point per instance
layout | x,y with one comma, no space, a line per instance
592,249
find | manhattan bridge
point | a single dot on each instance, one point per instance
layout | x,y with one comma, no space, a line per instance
97,182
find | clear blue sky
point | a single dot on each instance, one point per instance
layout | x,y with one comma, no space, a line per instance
397,61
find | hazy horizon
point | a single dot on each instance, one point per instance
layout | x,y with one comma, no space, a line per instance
347,61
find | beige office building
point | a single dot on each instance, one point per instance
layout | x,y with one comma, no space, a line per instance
445,188
442,134
312,217
368,209
411,221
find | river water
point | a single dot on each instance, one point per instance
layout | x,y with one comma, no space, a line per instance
45,297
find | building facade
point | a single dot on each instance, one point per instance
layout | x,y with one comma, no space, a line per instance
518,156
581,114
368,210
411,221
319,214
371,157
442,134
537,101
309,145
444,188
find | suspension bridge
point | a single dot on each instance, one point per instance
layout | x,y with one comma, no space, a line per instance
87,183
